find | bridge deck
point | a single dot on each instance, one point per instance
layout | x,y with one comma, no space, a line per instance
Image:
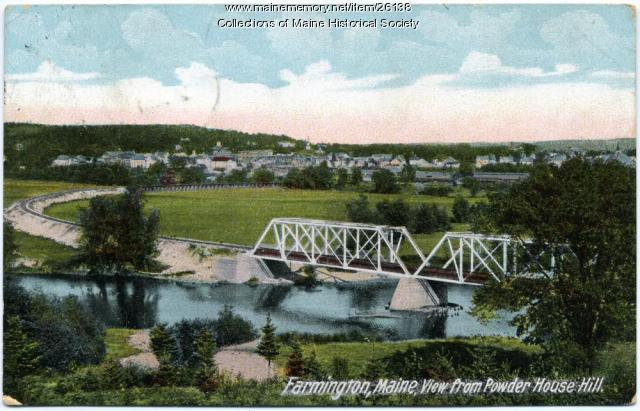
431,273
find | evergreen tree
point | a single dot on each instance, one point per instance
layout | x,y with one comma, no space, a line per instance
374,369
20,355
268,346
295,363
312,367
340,368
162,344
205,349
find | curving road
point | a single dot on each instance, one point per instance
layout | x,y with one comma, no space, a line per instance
177,253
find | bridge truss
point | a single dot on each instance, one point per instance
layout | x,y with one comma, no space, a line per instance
464,258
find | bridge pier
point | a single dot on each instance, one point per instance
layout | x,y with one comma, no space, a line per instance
412,294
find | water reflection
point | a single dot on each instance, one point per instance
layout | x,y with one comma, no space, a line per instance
329,308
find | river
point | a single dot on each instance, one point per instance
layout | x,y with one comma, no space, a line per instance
328,308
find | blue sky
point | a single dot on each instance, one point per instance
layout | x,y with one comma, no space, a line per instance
133,41
487,47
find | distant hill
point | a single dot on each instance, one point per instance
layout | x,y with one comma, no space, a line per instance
36,145
623,144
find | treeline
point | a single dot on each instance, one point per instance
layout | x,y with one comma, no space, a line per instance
33,146
420,219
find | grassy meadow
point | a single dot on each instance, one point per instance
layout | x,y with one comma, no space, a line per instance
239,215
16,190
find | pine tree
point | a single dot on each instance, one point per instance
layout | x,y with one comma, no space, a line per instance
340,368
295,363
21,356
268,346
312,366
205,349
162,344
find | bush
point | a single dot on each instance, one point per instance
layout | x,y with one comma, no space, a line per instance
65,330
461,210
437,190
384,182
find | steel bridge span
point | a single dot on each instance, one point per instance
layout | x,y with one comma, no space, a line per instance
459,257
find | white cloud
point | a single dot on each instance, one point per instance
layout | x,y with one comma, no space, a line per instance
323,105
319,76
48,71
482,63
610,74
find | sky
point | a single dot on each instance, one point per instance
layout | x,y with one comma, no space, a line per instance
491,73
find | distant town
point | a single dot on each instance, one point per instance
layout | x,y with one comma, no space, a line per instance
220,162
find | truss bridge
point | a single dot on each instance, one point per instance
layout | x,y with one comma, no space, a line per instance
458,257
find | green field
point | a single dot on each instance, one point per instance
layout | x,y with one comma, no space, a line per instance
117,342
15,190
239,215
46,252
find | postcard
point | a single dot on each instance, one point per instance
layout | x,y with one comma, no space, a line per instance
345,204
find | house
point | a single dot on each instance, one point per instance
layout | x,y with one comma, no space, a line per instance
61,161
618,156
223,163
420,163
482,161
248,155
286,144
500,177
507,160
433,177
556,159
66,161
527,160
451,163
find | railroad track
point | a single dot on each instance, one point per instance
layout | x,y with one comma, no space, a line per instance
30,206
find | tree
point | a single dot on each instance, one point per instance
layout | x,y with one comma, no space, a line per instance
9,247
236,177
472,185
312,367
20,355
342,178
356,177
268,346
205,349
394,213
231,328
584,214
191,175
340,368
407,174
116,233
461,210
295,362
384,182
263,176
359,211
294,179
162,344
424,221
